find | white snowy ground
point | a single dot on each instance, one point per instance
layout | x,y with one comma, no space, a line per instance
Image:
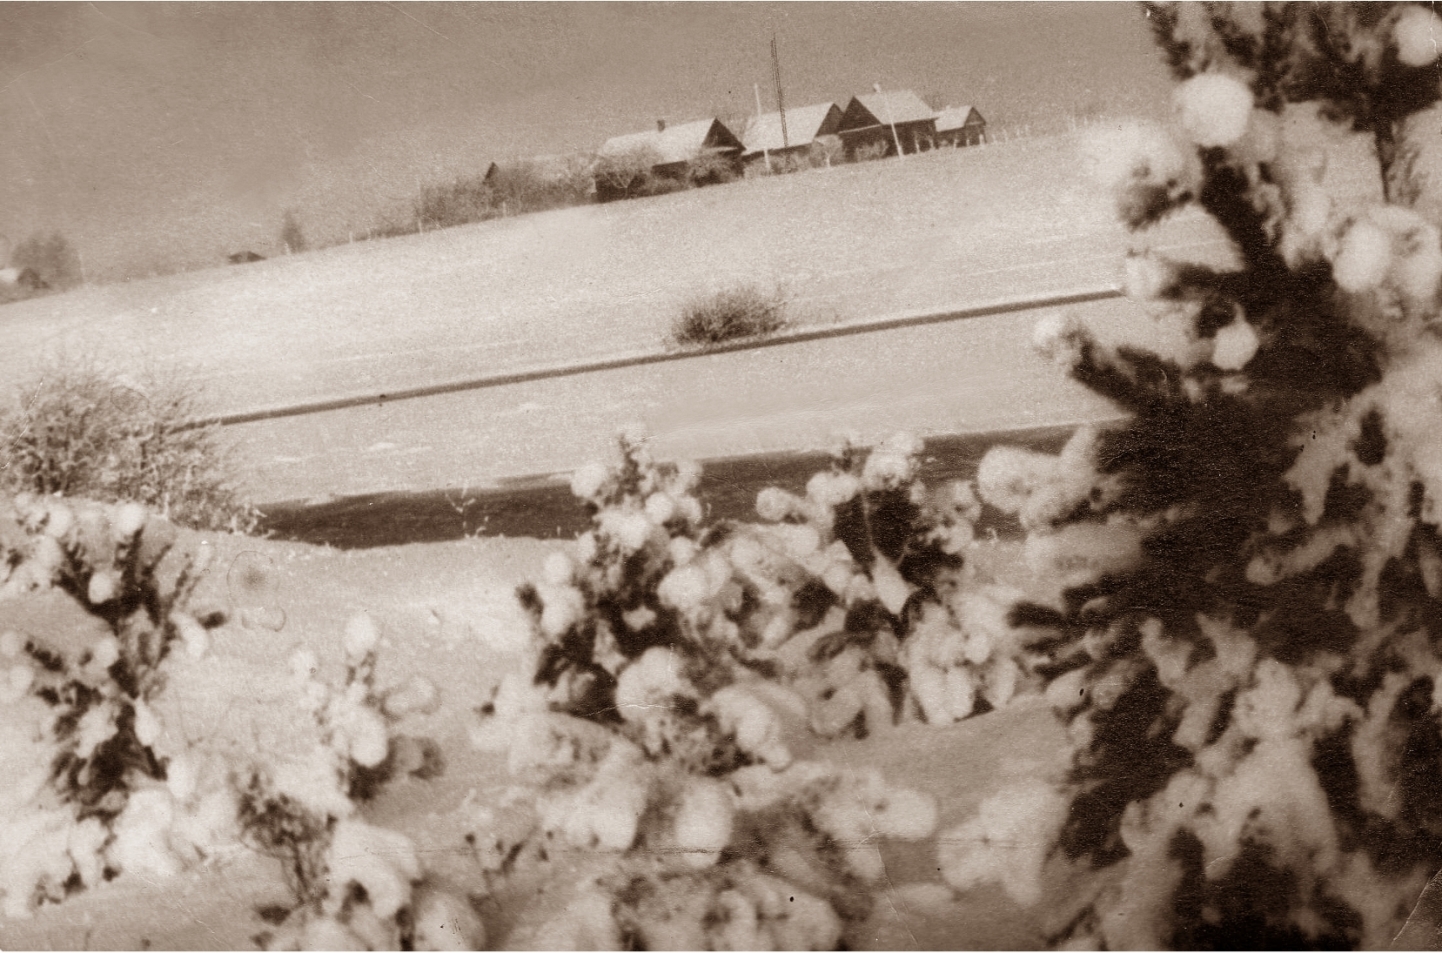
940,231
319,323
447,613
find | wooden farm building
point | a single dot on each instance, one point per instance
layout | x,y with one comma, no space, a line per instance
960,126
882,120
672,152
807,128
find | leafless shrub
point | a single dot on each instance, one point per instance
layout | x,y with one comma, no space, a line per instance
729,315
76,430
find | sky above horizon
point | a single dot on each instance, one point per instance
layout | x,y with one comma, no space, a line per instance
161,137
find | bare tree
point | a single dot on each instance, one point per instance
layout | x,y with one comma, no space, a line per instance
464,200
711,167
50,261
291,235
624,174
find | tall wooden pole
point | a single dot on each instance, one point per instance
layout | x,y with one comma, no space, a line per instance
895,138
780,100
765,153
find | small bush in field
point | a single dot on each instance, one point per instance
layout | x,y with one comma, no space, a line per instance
95,785
920,632
708,167
98,783
75,430
730,315
630,174
354,885
658,717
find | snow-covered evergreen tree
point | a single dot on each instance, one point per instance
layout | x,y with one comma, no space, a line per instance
1249,653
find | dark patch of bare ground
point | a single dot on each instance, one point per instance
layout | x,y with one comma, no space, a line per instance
543,507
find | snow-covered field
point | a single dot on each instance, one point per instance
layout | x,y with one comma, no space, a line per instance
862,241
936,231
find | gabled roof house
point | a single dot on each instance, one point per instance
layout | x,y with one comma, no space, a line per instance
891,118
960,126
671,150
764,135
674,146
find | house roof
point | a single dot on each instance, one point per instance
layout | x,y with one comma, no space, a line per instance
900,105
803,125
677,143
954,117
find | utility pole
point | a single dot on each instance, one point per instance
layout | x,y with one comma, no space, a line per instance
765,153
894,137
780,101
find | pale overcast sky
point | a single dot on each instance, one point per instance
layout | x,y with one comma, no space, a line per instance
164,136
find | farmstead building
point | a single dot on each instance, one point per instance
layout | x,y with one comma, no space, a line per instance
882,120
668,152
806,130
960,126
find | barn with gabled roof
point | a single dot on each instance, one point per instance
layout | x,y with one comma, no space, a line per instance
805,129
673,152
885,121
960,126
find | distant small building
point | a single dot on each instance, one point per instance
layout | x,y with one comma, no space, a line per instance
704,147
244,258
960,126
806,128
884,120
